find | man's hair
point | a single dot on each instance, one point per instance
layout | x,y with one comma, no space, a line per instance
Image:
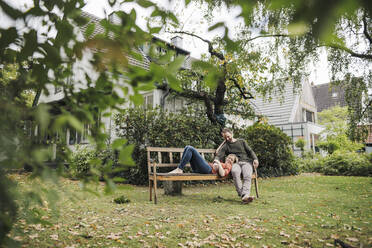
226,130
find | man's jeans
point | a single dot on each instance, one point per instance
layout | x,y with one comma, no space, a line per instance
197,162
245,169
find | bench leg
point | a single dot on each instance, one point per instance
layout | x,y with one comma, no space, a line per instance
256,184
155,194
150,189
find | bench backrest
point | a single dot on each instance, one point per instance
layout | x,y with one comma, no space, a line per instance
170,156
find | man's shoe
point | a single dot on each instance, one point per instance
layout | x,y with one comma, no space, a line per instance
247,198
176,171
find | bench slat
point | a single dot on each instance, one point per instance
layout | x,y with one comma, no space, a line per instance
174,149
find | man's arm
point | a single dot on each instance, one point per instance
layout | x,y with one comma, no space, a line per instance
221,153
249,150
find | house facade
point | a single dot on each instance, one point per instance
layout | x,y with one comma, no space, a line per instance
294,112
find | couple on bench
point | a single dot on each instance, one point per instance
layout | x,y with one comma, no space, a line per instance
240,159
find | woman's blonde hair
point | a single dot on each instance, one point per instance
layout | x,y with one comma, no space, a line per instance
233,157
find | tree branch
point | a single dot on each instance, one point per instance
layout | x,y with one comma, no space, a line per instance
210,47
267,36
199,95
348,50
243,91
365,29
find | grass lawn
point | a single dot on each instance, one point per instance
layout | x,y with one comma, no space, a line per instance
299,211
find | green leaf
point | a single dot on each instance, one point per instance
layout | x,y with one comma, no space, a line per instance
217,25
173,17
125,155
174,66
42,116
174,83
118,143
155,30
145,3
90,29
137,99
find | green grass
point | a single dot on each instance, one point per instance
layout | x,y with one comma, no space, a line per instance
300,211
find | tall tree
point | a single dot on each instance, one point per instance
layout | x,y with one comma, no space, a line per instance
294,32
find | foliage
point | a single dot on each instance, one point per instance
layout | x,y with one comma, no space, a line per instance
272,147
310,162
347,164
335,122
300,143
41,49
153,127
121,199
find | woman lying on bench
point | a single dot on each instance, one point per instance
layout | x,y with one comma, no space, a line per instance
200,165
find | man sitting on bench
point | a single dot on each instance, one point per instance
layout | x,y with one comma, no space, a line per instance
247,160
200,165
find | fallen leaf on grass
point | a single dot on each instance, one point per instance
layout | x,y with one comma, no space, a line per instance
329,245
258,237
334,236
115,236
352,239
284,242
54,236
284,234
33,236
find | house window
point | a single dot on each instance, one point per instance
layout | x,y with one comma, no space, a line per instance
148,101
79,137
308,116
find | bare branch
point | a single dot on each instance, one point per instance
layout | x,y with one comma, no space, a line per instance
210,47
365,30
267,36
348,50
243,91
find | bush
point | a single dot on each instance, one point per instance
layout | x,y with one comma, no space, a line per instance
347,164
86,162
147,127
272,148
310,162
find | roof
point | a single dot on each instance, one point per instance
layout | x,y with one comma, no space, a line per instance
280,108
328,95
144,63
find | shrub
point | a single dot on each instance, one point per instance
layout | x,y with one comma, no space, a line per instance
122,199
272,148
153,127
310,162
347,164
86,162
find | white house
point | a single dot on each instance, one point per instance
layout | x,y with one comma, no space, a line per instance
294,112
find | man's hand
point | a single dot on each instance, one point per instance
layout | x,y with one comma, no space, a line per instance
255,163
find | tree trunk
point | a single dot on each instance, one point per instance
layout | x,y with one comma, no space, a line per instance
172,187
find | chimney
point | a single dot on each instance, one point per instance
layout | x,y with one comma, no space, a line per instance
177,41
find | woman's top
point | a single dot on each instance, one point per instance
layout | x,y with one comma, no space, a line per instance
226,167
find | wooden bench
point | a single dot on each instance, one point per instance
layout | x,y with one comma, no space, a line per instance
158,157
